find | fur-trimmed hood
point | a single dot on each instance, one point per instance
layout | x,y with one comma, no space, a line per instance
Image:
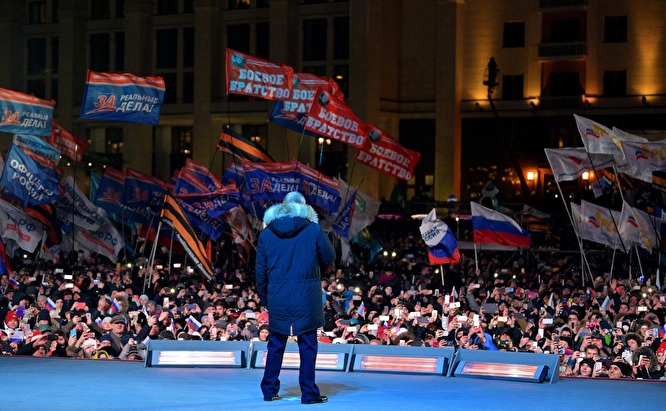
282,210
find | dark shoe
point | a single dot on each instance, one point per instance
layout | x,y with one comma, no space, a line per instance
273,398
319,400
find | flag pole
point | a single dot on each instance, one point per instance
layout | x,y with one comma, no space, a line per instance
149,277
640,265
583,258
441,269
476,258
170,249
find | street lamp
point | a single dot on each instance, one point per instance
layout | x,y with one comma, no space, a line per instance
533,177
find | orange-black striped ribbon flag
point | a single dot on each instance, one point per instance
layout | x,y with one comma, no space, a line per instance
242,147
173,215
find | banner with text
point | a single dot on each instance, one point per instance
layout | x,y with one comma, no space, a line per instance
252,76
29,178
21,113
319,190
387,155
69,145
292,113
330,117
271,181
122,97
38,146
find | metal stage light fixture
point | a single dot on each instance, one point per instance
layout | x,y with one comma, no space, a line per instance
503,365
396,359
170,353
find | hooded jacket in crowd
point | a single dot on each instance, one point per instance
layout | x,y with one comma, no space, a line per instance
291,252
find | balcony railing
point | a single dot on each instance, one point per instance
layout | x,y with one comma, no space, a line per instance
560,103
574,49
553,4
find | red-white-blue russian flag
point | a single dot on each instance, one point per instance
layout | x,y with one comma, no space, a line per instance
492,227
115,306
50,305
442,244
193,322
13,282
362,310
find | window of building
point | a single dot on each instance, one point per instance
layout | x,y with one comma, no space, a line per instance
107,51
257,133
120,9
181,139
419,135
514,35
167,54
120,50
316,70
566,30
100,9
188,47
239,4
181,147
42,63
615,29
565,84
314,39
114,140
37,88
512,87
615,83
263,42
341,40
100,49
171,84
188,87
165,7
341,77
37,12
238,37
55,54
324,55
36,56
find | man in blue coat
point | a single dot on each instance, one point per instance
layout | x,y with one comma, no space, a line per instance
291,252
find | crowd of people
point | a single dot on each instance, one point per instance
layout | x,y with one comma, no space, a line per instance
601,326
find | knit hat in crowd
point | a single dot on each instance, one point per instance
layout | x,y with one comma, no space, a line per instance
11,315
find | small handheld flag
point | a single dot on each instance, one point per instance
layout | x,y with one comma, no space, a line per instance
193,323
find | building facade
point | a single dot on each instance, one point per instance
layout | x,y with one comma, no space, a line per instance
418,69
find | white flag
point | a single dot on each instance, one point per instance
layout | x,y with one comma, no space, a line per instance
74,207
365,209
598,224
644,158
106,241
570,163
18,226
638,227
596,137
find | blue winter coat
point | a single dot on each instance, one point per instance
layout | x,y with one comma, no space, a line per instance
291,251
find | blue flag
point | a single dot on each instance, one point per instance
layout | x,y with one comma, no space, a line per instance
29,178
344,218
38,146
319,190
143,197
25,114
122,97
271,181
109,193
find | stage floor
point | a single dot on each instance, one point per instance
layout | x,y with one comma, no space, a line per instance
66,384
